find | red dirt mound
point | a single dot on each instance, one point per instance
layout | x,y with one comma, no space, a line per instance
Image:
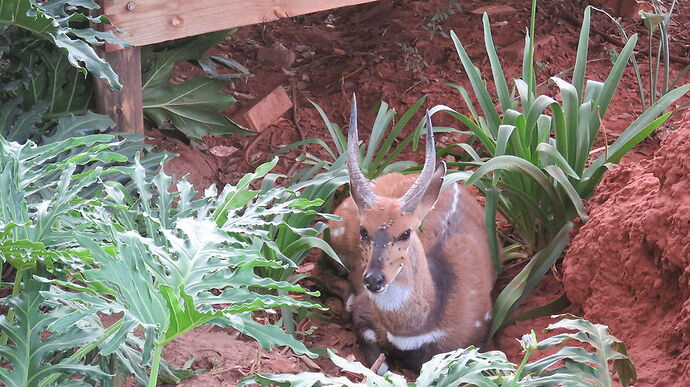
629,265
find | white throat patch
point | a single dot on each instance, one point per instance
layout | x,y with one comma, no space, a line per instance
393,298
410,343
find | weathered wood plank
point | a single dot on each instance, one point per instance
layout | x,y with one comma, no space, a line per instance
124,107
152,21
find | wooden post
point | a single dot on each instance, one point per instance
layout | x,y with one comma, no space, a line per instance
125,106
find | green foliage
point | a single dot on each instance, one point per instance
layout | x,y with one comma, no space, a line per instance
539,170
41,85
54,20
194,107
656,21
38,73
382,149
29,352
435,24
569,366
413,59
164,262
40,196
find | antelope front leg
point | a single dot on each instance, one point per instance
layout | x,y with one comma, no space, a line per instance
364,322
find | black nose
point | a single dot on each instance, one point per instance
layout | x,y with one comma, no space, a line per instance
374,282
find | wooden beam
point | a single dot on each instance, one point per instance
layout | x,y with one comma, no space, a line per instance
152,21
124,107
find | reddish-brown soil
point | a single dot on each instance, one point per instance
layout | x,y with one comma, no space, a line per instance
382,52
628,266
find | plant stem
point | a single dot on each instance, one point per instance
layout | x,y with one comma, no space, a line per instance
518,372
15,292
652,87
288,317
155,365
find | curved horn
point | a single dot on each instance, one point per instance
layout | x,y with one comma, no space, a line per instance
360,189
414,195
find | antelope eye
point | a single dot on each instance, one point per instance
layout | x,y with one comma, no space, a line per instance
405,235
363,233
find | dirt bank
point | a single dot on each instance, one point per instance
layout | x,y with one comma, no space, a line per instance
628,266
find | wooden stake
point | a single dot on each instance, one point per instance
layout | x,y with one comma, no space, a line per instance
124,107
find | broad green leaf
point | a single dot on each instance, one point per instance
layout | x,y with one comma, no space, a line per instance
40,20
183,313
76,126
17,125
193,107
268,335
31,352
465,367
125,277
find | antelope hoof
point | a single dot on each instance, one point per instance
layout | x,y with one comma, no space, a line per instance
383,368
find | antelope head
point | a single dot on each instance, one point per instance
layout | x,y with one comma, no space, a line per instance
388,226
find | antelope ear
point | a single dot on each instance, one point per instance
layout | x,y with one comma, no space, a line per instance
431,195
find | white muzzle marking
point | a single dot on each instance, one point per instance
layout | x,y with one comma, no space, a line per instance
394,297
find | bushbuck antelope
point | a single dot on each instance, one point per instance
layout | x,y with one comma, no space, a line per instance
420,270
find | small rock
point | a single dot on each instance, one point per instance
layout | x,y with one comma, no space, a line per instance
497,9
624,8
268,109
223,150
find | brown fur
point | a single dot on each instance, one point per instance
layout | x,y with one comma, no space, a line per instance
446,263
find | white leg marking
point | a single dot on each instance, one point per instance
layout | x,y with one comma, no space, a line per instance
393,298
409,343
370,336
337,231
348,303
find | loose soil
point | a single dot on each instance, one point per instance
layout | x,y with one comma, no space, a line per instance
382,51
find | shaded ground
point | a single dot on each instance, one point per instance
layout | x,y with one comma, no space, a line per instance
383,52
